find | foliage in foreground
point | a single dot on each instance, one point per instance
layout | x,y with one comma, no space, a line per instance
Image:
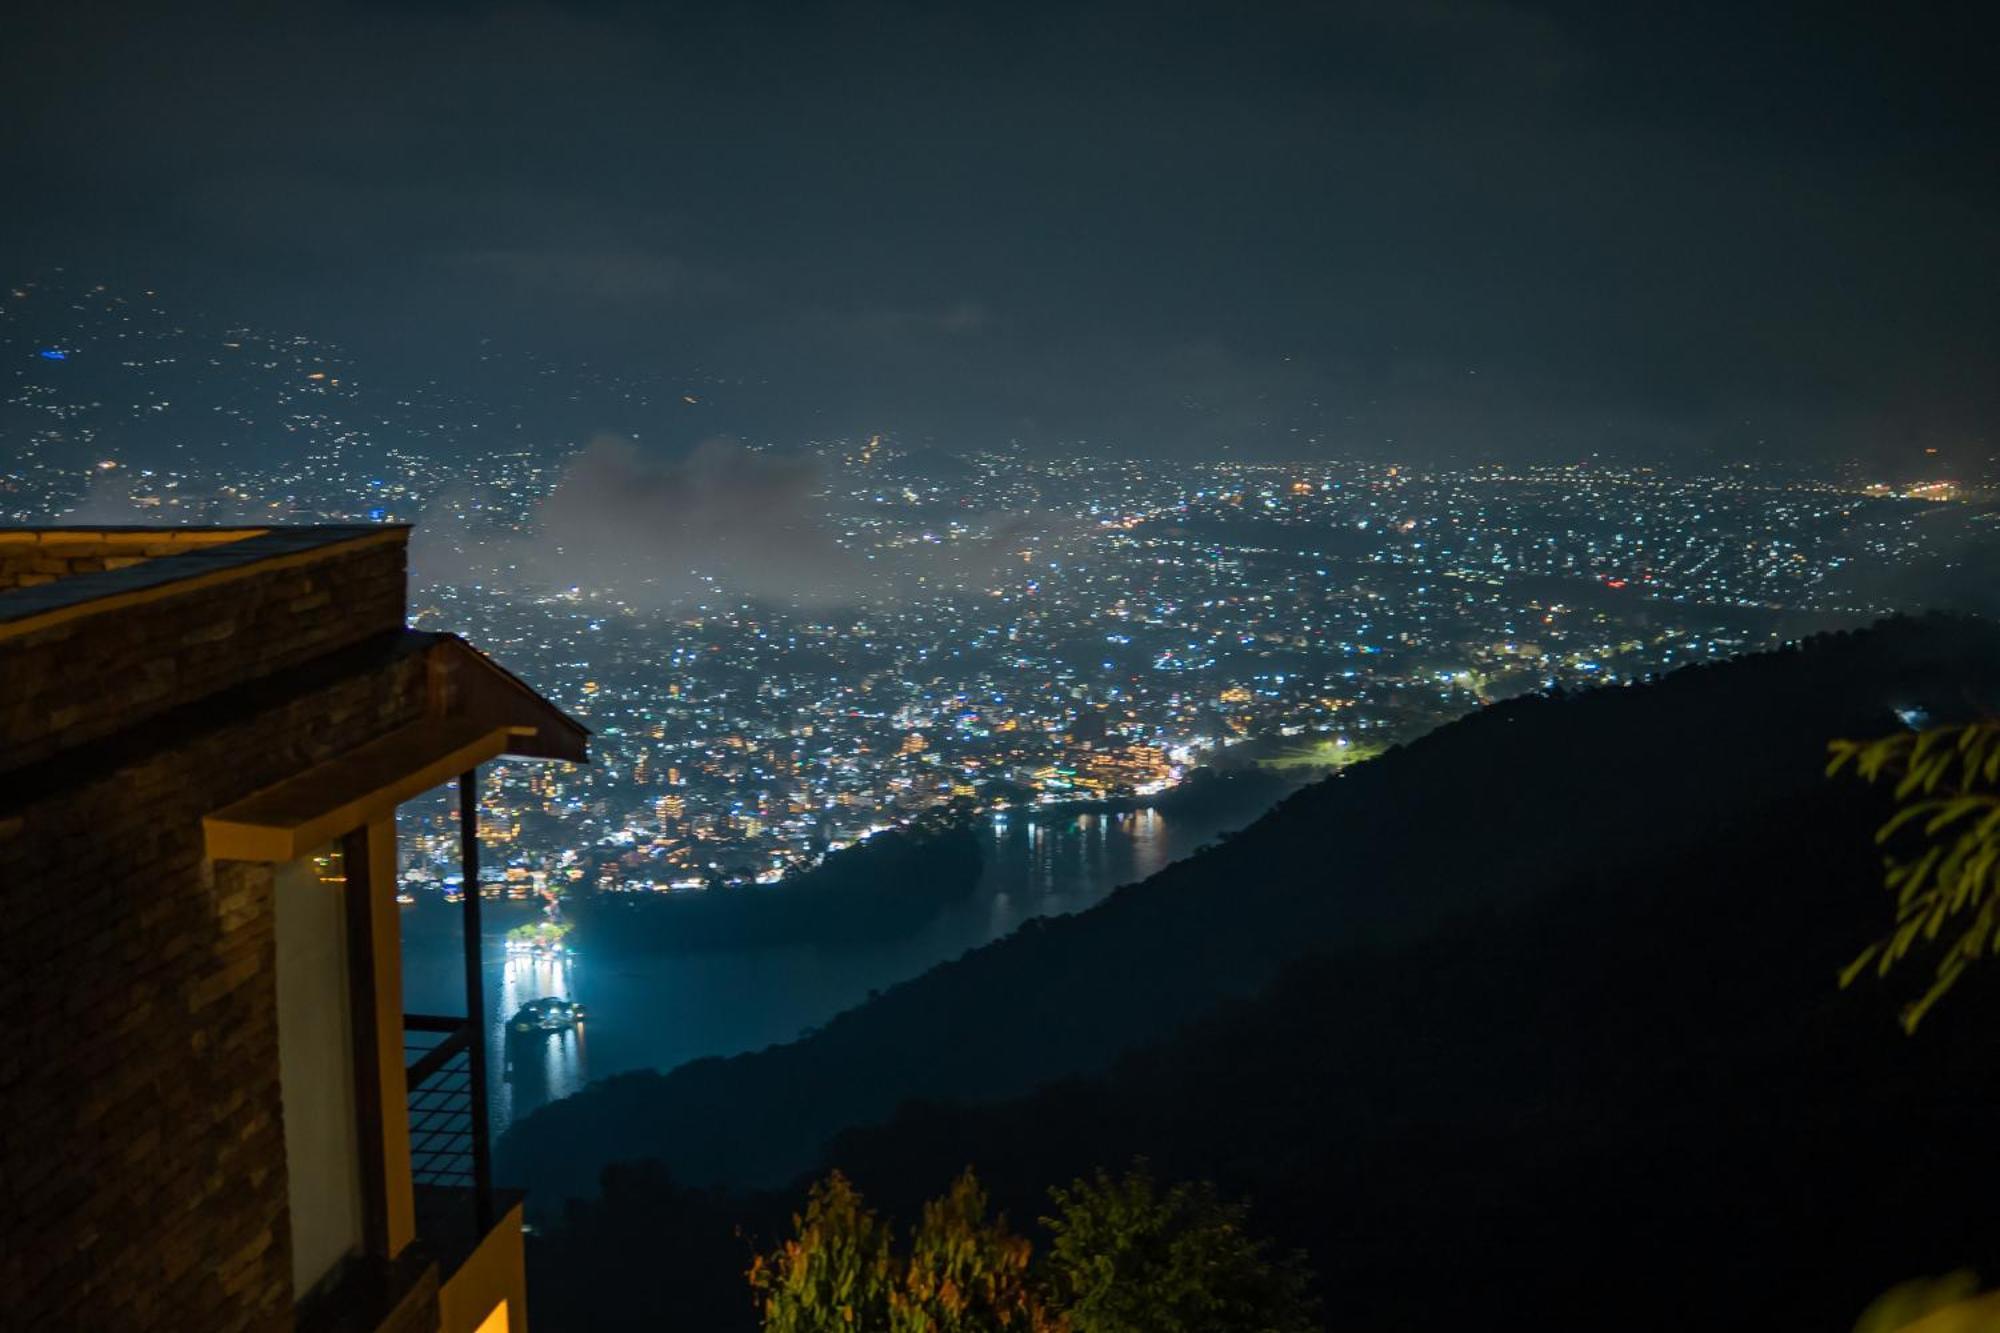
1127,1257
1948,820
1130,1257
833,1273
966,1274
962,1273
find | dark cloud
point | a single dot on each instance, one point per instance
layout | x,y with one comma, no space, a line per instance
1475,227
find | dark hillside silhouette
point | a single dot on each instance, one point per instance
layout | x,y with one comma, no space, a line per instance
1640,1103
1455,837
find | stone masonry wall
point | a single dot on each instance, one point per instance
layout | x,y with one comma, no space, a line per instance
92,675
29,558
142,1161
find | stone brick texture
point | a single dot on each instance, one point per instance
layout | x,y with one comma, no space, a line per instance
28,558
142,1161
93,675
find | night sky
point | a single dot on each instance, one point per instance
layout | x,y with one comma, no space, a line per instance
1259,230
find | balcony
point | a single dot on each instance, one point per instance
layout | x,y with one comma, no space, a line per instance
450,1162
447,1110
471,1230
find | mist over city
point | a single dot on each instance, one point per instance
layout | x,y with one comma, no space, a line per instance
1090,667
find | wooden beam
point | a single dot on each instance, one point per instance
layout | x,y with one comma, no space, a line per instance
289,819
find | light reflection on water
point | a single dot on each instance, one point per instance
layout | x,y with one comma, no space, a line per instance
663,1009
535,1067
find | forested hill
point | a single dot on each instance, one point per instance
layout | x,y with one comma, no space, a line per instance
1481,817
1639,1102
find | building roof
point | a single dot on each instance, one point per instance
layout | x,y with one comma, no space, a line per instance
466,682
85,578
148,562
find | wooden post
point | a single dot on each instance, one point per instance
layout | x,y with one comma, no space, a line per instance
398,1187
364,1023
475,997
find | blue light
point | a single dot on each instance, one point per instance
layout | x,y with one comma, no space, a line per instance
53,354
377,514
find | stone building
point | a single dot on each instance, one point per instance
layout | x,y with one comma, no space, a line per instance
214,1113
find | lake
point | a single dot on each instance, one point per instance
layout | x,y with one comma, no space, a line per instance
661,1010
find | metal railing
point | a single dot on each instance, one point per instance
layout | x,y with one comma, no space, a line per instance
447,1107
444,1063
